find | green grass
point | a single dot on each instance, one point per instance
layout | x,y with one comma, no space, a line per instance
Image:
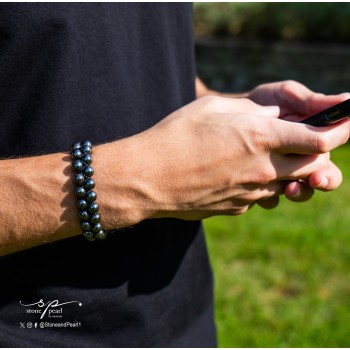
282,277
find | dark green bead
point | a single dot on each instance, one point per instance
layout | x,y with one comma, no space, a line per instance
87,171
95,219
76,145
77,165
80,192
101,235
86,149
93,208
85,225
90,196
96,228
82,204
76,154
87,143
87,159
89,184
84,215
79,178
88,234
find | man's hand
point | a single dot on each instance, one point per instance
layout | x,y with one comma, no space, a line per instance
297,102
221,156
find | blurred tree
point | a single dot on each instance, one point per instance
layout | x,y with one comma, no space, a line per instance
289,21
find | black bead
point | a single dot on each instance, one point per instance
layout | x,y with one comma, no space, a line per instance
80,192
76,153
89,184
79,178
96,218
76,145
93,208
83,215
86,149
90,196
77,165
87,159
101,235
96,228
82,203
88,234
85,225
87,171
87,143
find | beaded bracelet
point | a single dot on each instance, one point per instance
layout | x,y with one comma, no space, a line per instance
86,197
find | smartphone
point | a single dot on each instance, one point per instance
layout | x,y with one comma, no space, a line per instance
330,115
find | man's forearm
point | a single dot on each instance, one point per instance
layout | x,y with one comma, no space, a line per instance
38,202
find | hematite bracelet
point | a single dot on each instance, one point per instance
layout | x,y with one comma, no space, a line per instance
86,197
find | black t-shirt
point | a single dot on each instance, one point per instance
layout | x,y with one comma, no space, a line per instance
70,72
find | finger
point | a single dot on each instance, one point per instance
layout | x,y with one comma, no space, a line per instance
302,101
273,189
298,166
289,137
318,102
298,191
268,203
327,179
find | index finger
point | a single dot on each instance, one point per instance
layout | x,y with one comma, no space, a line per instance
306,139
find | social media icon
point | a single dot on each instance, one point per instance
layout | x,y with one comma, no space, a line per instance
22,325
29,325
42,325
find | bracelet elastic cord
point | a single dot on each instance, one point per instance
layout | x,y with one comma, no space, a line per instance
90,219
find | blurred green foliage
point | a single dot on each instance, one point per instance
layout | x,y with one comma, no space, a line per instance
283,275
288,21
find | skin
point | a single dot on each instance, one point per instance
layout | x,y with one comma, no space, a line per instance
217,155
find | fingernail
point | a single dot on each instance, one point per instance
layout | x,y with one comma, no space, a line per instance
297,194
323,183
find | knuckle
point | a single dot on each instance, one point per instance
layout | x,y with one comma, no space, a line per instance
289,85
265,175
209,102
322,143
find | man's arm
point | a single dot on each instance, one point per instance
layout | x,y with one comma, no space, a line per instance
214,156
38,202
